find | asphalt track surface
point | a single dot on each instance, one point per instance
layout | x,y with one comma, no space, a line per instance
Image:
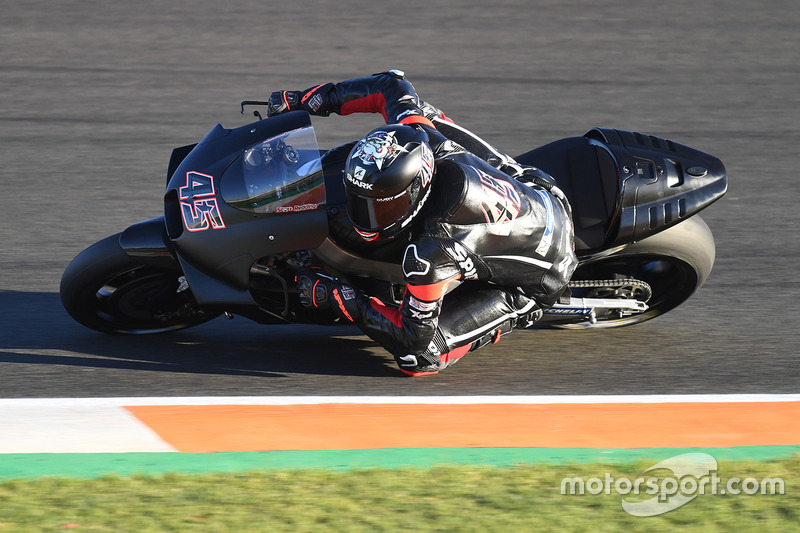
94,95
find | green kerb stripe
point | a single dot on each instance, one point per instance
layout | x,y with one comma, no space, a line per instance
94,465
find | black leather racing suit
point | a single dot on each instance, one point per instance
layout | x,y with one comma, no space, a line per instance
505,244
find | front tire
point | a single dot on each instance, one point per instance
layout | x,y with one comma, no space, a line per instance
675,263
106,290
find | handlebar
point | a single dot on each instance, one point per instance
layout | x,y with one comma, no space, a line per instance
256,113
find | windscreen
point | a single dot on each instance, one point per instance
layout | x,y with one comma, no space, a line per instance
282,174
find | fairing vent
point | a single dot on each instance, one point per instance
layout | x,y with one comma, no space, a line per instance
172,215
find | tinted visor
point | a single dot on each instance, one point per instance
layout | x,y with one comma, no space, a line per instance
377,214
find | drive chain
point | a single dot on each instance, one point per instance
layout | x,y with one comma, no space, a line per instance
631,285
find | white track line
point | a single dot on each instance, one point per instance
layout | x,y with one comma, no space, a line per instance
440,400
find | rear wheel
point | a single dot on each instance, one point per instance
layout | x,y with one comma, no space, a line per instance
106,290
673,263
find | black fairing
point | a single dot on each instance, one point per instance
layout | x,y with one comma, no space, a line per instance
626,186
147,242
223,242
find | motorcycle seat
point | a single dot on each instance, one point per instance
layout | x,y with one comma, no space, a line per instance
589,178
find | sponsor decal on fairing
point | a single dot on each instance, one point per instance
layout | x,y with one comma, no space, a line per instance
296,208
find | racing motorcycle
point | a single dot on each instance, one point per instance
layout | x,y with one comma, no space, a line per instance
247,208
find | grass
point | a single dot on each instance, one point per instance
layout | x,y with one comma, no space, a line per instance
447,499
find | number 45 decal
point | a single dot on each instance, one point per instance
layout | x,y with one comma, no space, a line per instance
198,204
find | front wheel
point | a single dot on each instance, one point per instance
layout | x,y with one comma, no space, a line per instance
674,263
105,289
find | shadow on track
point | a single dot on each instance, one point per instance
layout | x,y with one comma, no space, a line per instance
37,331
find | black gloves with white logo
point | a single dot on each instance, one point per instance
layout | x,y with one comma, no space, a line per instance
311,100
319,291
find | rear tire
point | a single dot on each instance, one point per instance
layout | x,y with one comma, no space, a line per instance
105,289
675,263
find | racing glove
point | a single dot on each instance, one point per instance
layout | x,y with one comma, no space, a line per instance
283,101
311,100
319,291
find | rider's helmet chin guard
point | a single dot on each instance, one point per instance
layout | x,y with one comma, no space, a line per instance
387,180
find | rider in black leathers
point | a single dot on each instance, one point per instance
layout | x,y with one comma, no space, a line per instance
475,219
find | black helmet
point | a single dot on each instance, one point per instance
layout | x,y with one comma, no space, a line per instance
387,180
